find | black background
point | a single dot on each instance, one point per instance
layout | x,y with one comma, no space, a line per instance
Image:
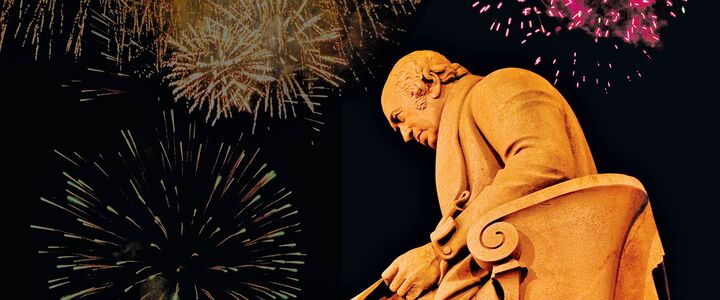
42,115
361,177
660,129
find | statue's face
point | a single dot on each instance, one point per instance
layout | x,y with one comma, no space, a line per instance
415,123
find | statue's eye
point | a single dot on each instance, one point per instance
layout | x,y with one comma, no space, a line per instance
396,117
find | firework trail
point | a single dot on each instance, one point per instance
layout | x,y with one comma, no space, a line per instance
4,16
41,22
103,73
173,216
627,26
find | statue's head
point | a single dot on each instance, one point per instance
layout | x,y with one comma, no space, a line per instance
413,96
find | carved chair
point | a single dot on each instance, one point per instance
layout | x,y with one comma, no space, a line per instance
592,237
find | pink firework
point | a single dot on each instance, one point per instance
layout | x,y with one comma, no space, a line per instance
522,16
627,26
631,20
634,21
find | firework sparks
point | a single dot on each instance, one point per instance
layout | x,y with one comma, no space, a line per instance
187,218
626,25
286,57
4,15
40,23
523,16
220,65
136,22
634,21
278,58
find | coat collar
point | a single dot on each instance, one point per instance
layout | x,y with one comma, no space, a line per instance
450,168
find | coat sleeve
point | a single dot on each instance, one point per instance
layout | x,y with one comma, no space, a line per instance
522,117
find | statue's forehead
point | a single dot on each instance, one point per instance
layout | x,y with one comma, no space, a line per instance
391,104
390,100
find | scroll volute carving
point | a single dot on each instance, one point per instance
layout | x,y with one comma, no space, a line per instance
493,242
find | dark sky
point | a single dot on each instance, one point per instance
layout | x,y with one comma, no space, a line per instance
362,192
41,116
659,129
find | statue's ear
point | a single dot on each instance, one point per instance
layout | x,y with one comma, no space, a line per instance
434,86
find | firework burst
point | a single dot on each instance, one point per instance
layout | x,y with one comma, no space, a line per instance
220,65
618,27
173,216
303,48
278,58
256,56
634,21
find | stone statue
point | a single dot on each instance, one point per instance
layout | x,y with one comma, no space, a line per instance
513,170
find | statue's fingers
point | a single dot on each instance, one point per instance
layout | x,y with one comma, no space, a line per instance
396,283
390,273
414,293
404,288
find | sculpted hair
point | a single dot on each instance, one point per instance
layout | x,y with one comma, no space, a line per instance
420,74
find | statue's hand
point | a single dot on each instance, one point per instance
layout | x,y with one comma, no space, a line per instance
413,272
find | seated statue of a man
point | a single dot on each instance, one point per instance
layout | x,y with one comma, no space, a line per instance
498,137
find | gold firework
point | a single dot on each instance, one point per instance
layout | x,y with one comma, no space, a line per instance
304,50
124,23
219,64
255,56
41,16
4,15
287,57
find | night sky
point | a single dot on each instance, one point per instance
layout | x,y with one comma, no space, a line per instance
364,196
47,116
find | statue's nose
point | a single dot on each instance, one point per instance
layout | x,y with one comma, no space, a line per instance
406,133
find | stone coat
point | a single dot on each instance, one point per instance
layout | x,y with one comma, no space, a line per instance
509,134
